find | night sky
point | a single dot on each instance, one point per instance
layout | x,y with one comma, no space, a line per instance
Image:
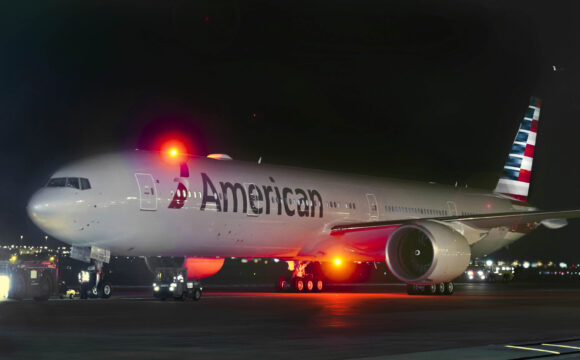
422,90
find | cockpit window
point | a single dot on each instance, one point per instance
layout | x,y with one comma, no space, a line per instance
56,182
85,184
71,182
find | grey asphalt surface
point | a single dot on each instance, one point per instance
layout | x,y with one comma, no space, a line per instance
347,322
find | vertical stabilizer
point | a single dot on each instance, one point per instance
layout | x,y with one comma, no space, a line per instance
515,179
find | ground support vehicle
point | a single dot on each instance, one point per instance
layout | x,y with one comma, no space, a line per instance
172,283
20,279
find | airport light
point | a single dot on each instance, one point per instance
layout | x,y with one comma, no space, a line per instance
337,261
489,263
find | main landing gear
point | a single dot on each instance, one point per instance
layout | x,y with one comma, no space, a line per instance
446,288
303,279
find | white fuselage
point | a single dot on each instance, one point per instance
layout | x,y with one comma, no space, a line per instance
143,204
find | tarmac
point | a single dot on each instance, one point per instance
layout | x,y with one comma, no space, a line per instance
480,321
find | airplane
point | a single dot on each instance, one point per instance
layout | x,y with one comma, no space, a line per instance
203,209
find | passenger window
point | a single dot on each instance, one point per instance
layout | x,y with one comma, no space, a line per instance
85,184
56,182
73,183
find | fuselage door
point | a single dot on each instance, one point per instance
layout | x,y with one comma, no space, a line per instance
254,197
373,207
452,208
147,191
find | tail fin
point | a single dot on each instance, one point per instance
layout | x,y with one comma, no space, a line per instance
515,179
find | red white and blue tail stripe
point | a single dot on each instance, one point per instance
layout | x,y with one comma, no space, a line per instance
515,179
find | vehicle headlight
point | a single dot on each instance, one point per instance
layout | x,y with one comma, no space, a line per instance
155,288
4,286
480,273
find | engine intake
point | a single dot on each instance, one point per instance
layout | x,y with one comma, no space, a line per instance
426,252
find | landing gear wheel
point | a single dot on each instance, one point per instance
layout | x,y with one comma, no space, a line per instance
196,295
309,285
440,289
318,285
449,288
105,290
430,289
299,284
282,284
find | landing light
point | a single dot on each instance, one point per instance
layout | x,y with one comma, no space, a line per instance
173,152
337,261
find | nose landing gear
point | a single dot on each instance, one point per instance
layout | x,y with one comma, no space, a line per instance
94,283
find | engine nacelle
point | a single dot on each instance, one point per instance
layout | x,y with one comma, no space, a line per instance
427,252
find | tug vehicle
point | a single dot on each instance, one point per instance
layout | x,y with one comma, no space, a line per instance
28,276
172,283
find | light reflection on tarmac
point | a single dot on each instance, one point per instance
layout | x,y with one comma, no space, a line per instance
372,321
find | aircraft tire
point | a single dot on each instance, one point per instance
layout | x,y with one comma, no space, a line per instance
282,284
431,289
318,285
440,289
449,288
299,284
105,290
309,285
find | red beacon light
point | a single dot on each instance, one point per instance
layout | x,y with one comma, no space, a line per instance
173,150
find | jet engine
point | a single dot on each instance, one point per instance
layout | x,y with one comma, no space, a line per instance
427,252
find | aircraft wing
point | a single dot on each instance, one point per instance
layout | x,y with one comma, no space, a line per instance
481,221
366,241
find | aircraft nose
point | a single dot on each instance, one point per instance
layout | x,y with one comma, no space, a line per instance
44,209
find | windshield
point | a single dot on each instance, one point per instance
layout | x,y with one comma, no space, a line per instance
71,182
